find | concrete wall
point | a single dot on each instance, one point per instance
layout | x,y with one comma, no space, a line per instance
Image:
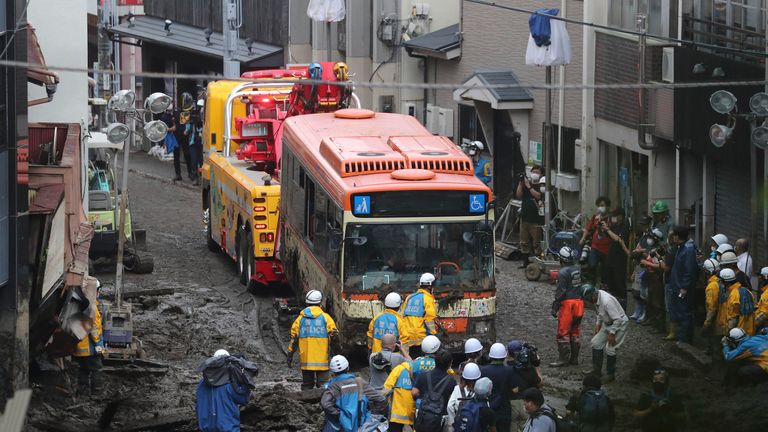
61,27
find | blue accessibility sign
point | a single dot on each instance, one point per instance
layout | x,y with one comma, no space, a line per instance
362,205
477,203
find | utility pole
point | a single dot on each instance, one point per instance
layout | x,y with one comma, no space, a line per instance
546,155
104,46
232,16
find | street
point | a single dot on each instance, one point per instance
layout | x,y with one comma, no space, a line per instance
210,310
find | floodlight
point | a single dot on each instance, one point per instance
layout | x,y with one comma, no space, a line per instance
117,133
157,102
719,134
155,131
758,103
718,72
760,137
699,68
122,100
723,101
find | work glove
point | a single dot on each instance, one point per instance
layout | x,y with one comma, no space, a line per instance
289,359
555,309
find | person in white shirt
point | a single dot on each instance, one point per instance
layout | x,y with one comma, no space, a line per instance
745,261
464,391
610,330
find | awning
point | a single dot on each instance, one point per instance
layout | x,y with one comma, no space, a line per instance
192,39
37,72
443,44
499,98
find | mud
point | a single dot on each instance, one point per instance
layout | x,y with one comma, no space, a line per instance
210,310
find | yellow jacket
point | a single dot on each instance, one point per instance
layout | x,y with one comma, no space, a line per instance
313,329
761,314
711,295
419,312
388,321
87,346
722,313
397,388
746,322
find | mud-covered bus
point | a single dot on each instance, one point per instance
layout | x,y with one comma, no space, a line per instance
369,202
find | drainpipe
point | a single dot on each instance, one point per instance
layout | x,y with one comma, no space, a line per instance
642,27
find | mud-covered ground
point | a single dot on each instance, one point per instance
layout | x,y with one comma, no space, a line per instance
210,310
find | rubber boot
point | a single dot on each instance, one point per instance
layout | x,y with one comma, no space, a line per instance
575,348
610,367
564,350
524,261
672,336
642,316
597,363
638,310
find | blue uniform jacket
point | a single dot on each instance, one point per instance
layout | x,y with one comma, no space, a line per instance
685,268
217,407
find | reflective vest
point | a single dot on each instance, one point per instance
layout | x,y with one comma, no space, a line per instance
483,170
418,313
387,322
313,328
746,321
87,346
398,387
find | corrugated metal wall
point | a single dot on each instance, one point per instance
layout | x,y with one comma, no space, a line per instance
732,202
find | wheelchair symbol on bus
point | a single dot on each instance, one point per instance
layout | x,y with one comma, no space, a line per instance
477,203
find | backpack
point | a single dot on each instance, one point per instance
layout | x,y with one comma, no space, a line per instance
595,407
468,419
561,424
430,415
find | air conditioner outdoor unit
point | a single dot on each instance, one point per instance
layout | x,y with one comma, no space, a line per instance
432,120
445,122
668,65
409,108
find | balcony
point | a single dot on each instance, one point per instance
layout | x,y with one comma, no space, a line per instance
731,38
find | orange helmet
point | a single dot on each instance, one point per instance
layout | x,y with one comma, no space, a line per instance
341,71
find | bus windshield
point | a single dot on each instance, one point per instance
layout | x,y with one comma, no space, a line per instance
393,256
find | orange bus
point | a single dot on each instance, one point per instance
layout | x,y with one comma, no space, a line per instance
369,202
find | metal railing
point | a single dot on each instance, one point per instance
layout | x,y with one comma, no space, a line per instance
716,32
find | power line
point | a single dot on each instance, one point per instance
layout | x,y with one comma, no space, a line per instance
411,86
16,28
620,30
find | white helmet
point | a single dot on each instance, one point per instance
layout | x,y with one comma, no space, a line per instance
728,258
221,352
471,371
430,344
427,279
393,300
498,351
480,146
313,297
483,388
764,272
720,239
737,335
727,275
723,248
472,346
338,364
711,266
567,254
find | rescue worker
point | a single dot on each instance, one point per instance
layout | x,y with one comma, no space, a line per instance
729,260
661,219
714,242
425,363
723,248
419,312
568,308
531,213
347,401
610,330
747,356
473,349
387,321
506,383
728,278
761,315
740,306
483,167
88,355
398,391
596,236
715,294
226,384
313,331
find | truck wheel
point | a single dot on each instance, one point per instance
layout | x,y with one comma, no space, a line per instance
241,256
212,245
532,272
143,263
248,258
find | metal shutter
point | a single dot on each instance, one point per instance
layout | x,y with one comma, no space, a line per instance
732,202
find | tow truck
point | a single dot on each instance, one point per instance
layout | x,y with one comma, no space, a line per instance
241,169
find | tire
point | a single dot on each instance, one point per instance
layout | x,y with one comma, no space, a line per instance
241,251
248,258
143,263
212,245
532,272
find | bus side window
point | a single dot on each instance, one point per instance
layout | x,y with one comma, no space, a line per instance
309,209
302,177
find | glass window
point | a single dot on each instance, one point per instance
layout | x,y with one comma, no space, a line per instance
393,256
309,209
623,14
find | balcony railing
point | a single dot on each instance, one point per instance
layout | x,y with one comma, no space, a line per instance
713,32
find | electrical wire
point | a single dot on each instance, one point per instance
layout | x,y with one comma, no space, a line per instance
16,28
411,86
620,30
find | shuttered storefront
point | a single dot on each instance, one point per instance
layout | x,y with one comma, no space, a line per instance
732,202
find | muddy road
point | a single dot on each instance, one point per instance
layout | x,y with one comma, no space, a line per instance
209,310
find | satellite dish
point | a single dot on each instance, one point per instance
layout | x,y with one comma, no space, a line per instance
723,102
760,137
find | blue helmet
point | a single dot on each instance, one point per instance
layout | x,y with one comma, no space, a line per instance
514,346
315,71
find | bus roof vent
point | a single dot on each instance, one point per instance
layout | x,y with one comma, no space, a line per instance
433,153
361,155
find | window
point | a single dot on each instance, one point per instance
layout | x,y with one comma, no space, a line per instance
309,209
623,14
469,124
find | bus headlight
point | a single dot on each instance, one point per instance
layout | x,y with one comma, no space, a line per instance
481,327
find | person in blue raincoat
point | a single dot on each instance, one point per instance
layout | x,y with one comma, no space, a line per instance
483,167
226,385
